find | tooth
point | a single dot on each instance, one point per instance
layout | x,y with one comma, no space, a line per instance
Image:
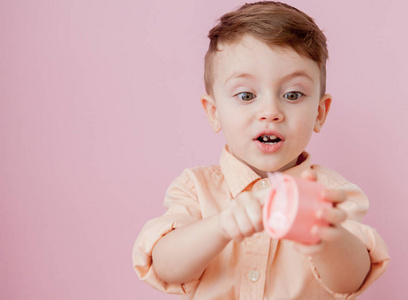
265,138
272,137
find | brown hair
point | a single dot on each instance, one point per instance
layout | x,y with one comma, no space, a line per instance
274,23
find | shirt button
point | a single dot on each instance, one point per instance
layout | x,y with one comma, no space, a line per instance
253,275
263,184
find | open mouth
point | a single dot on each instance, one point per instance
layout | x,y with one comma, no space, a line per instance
269,139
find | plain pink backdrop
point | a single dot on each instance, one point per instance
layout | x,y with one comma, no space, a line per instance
99,112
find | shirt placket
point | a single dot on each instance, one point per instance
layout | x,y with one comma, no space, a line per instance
255,261
253,274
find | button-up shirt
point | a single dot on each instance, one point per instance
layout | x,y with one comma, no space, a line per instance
258,267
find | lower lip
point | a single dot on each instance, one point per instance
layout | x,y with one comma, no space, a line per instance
265,148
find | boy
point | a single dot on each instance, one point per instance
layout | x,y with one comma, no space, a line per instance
265,81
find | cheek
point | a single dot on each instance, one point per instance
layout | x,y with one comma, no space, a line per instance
305,124
308,116
229,127
233,128
307,127
229,118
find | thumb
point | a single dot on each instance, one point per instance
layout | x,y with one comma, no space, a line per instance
265,194
309,175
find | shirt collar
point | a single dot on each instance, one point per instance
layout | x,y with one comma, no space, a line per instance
238,175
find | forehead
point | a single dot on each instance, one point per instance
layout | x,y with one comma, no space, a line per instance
250,55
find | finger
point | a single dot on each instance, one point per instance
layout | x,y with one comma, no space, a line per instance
234,231
335,196
309,175
308,249
244,223
254,212
326,233
333,216
229,227
264,194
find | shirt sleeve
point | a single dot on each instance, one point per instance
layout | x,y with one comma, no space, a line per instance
377,250
182,208
356,206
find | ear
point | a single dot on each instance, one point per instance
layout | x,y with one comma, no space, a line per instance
210,109
322,111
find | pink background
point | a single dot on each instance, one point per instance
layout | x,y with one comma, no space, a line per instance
100,112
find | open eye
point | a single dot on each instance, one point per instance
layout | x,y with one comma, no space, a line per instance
246,96
293,96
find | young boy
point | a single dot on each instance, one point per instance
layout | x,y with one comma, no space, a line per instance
265,80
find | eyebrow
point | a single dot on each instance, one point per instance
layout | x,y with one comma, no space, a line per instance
239,75
300,73
297,74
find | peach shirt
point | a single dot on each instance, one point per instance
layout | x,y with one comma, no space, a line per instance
259,267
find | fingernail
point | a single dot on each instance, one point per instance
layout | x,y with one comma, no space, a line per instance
315,230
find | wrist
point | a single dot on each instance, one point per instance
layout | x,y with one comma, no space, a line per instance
221,231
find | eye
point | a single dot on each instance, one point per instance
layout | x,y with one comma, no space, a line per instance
293,96
246,96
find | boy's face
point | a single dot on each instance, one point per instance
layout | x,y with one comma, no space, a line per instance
267,102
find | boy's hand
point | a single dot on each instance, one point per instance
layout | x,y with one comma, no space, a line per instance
334,216
243,216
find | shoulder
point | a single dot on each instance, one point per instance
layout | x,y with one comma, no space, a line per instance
189,186
210,170
329,177
357,203
192,177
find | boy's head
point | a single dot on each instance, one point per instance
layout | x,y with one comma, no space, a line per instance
265,74
274,23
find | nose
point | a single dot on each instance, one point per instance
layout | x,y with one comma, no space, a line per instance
270,110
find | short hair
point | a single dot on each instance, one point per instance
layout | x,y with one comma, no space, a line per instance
276,24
